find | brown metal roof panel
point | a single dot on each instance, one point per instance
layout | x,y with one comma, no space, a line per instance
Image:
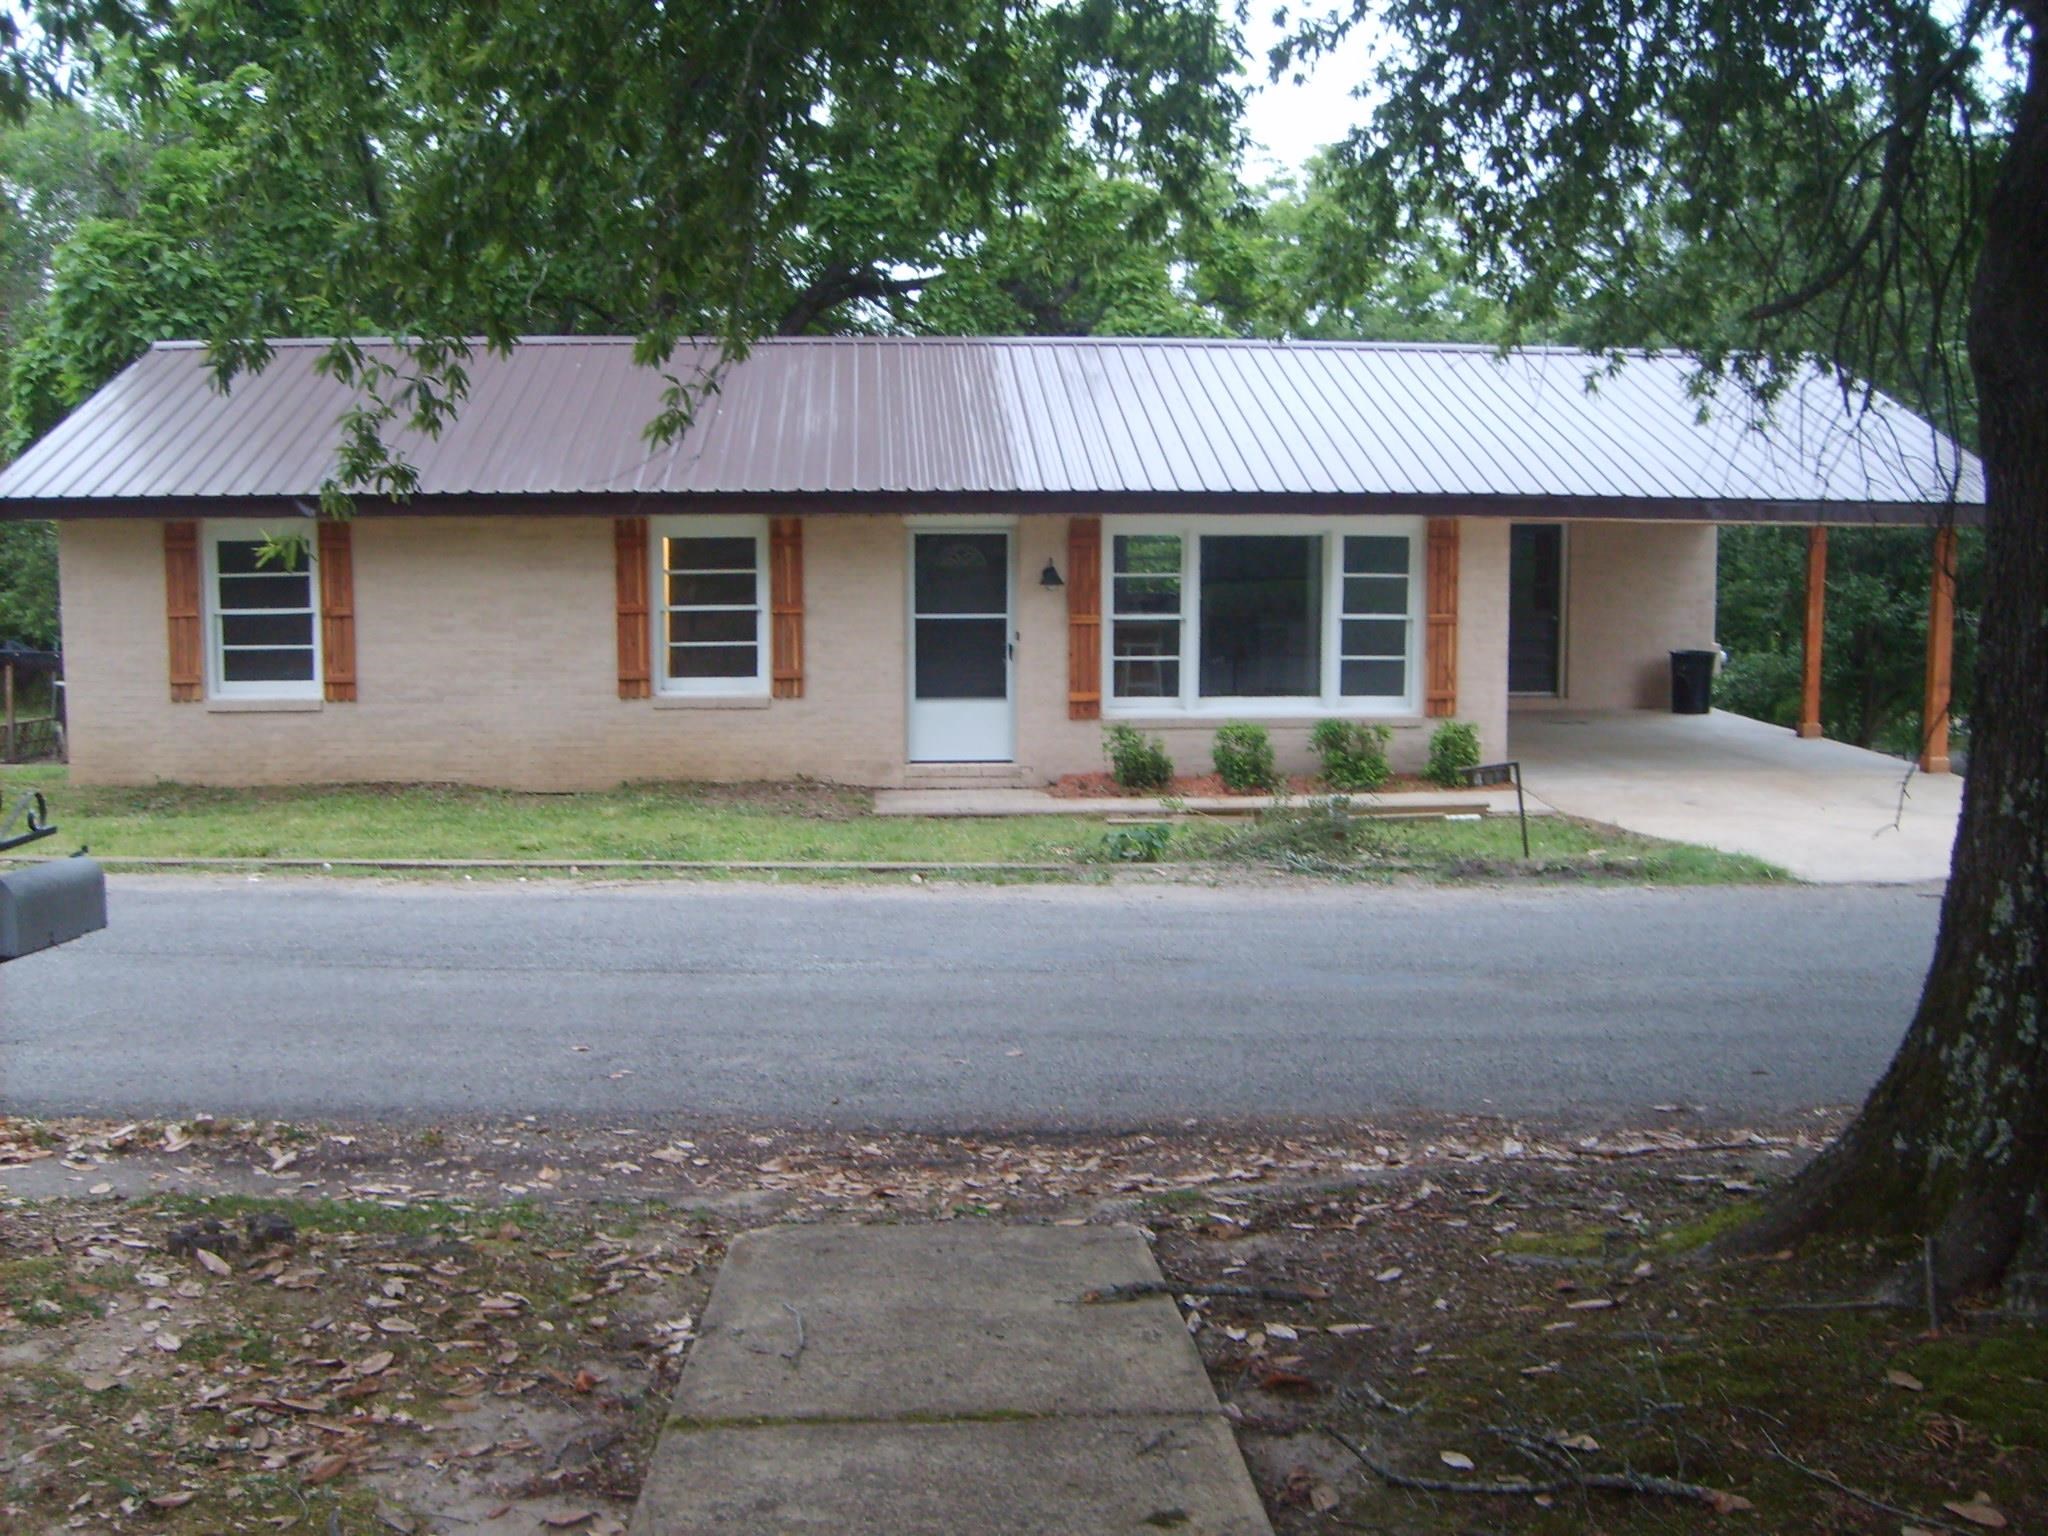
1553,425
1347,387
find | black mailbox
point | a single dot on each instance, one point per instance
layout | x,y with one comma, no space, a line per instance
50,903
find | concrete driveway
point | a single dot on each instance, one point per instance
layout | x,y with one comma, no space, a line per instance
1826,811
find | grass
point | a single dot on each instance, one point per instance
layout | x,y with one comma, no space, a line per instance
799,822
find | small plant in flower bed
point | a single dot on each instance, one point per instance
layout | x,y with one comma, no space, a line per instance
1353,754
1243,755
1137,845
1137,761
1453,747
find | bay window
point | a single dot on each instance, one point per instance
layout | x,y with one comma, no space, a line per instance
1217,615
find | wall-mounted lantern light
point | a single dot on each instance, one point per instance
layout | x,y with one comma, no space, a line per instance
1049,578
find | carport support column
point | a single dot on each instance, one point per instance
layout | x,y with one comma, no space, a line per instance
1816,629
1941,626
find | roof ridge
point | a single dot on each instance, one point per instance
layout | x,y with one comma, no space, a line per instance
1261,343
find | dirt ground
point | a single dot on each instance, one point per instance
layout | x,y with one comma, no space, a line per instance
213,1327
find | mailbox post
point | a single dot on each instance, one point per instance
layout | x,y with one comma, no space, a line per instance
49,903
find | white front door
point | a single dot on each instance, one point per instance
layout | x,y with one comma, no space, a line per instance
960,648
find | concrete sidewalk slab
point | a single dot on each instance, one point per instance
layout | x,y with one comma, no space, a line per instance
1824,810
940,1379
1033,1477
937,1321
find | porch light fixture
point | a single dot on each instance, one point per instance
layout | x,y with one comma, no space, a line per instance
1049,578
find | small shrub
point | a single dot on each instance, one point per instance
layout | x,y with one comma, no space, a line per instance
1453,747
1244,758
1137,761
1137,845
1354,754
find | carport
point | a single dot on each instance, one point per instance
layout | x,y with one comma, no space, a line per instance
1824,810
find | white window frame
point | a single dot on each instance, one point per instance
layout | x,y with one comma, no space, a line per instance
1331,700
660,531
217,531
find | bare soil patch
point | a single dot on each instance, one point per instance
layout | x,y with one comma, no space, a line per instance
476,1327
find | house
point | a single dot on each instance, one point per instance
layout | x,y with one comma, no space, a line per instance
891,561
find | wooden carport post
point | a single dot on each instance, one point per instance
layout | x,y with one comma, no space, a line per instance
1816,629
1941,616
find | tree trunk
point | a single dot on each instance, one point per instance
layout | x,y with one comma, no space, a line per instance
1953,1143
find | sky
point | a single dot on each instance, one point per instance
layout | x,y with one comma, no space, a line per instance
1289,122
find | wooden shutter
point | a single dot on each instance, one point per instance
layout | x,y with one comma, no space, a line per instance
181,608
1441,697
629,548
1084,618
338,610
786,605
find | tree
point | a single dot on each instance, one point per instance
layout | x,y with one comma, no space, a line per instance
1769,185
1873,668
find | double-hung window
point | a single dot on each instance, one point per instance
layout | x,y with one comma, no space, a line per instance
1221,615
711,605
262,612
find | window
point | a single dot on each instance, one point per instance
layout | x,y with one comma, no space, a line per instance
1309,616
1262,627
1373,640
263,630
1145,577
710,576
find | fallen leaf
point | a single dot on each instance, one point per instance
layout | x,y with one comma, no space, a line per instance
563,1521
172,1500
1905,1379
102,1188
1590,1304
98,1384
1322,1498
1388,1276
1579,1442
1979,1511
169,1343
212,1262
396,1325
1457,1459
324,1469
371,1364
1722,1502
1274,1379
397,1519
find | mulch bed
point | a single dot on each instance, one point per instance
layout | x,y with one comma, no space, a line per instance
1187,786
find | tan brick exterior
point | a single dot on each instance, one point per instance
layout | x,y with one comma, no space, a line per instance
1634,592
486,653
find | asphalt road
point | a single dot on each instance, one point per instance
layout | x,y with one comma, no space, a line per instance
941,1007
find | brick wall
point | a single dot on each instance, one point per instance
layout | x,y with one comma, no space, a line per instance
1634,592
486,655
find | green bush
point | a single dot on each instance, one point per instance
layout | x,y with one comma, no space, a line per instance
1354,754
1453,747
1137,845
1244,758
1137,761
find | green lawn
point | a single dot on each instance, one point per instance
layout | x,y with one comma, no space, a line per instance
793,822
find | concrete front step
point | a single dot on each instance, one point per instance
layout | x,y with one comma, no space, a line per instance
971,776
943,1379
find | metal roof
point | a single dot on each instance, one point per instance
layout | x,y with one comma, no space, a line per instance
1104,417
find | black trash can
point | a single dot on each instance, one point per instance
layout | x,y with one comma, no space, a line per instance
1692,682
